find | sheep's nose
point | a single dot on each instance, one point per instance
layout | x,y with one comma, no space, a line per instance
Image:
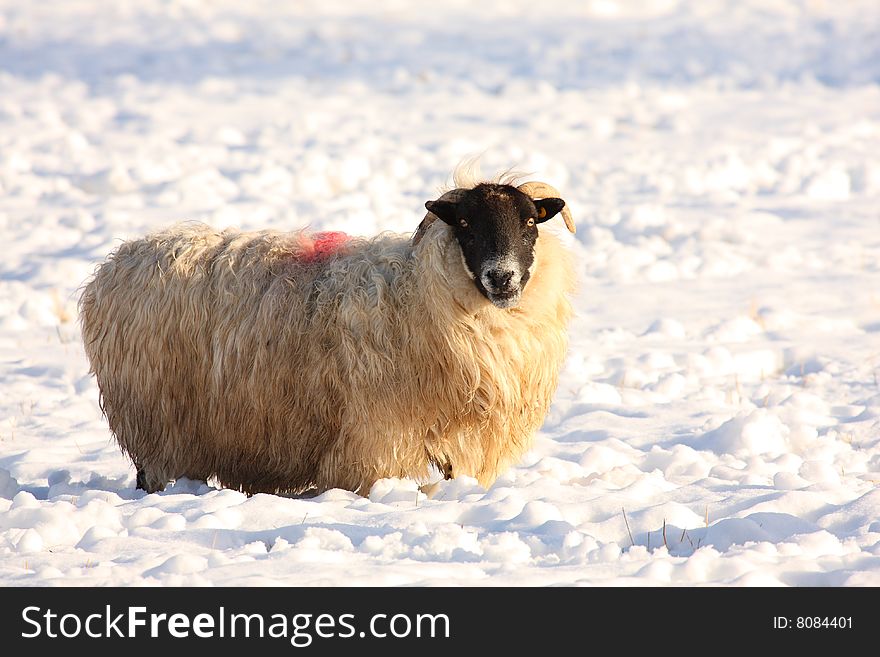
500,278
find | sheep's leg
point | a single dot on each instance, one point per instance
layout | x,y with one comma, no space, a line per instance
446,470
141,481
151,482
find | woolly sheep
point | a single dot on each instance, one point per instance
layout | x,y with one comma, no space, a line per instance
279,362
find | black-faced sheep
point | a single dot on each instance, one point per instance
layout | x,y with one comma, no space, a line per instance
279,362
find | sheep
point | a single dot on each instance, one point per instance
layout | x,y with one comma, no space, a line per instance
282,362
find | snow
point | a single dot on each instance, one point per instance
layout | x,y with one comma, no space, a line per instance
718,418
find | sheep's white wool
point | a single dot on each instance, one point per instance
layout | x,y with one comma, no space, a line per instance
227,354
467,175
467,270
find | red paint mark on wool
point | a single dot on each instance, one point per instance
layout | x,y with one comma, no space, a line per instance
321,245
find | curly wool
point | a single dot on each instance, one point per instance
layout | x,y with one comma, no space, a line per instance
229,354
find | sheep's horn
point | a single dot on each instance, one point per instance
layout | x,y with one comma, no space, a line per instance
430,217
537,189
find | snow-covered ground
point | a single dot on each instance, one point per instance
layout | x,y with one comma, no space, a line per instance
718,419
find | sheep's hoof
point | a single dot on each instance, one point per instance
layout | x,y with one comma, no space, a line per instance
142,482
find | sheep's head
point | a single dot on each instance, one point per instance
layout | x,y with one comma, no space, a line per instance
497,227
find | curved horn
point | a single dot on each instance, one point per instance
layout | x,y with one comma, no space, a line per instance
537,189
430,217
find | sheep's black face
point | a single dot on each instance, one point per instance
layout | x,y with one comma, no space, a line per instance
496,227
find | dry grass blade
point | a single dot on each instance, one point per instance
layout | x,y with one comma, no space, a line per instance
632,542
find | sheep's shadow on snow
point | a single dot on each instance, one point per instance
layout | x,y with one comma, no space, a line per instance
60,483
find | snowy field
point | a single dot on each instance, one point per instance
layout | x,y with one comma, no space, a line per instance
718,419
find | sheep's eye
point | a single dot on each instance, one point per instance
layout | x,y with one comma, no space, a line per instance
463,223
530,222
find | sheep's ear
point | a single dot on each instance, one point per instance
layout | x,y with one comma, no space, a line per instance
548,208
443,209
